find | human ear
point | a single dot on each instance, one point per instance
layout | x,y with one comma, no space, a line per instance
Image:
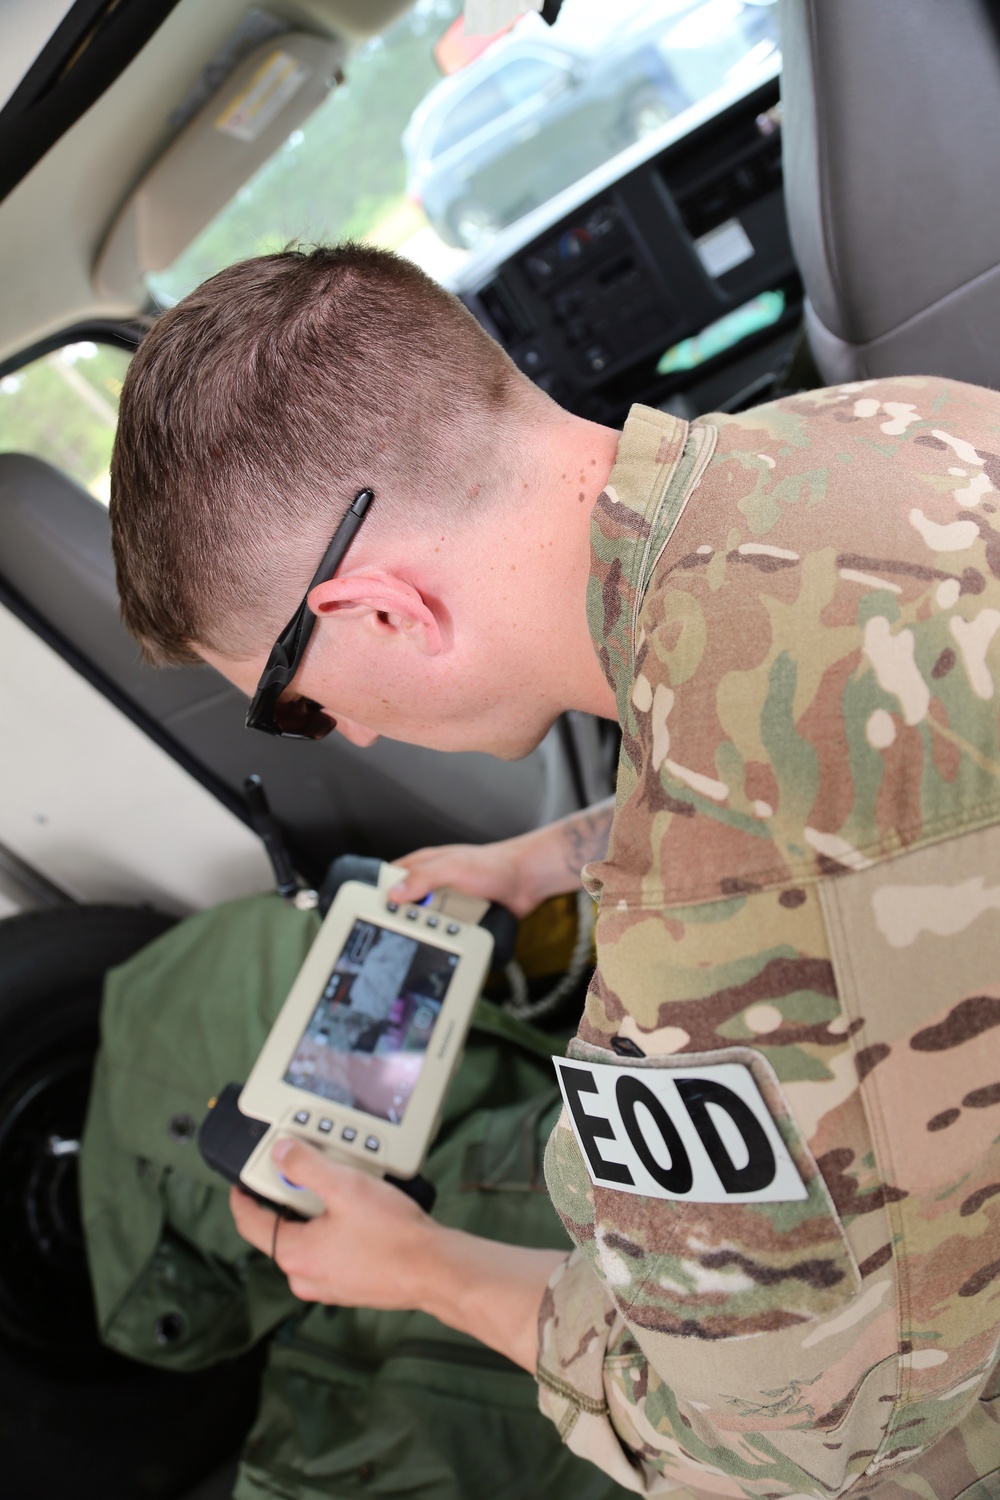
394,603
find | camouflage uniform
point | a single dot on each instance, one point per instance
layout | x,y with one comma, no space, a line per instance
799,611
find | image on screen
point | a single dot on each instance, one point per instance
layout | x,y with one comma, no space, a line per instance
367,1038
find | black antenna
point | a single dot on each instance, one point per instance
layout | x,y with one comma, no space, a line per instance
266,827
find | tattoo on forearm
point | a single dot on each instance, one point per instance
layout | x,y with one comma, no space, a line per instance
585,837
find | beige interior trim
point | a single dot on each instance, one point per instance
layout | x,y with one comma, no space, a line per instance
142,830
24,31
54,224
353,18
246,120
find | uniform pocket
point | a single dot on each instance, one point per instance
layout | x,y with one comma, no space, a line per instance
728,1248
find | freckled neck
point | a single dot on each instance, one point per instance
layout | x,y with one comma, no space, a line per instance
577,458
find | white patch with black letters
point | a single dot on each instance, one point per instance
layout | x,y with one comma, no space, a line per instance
694,1135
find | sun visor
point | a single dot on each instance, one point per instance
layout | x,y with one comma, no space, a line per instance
262,101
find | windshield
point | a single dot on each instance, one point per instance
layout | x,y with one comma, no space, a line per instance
436,141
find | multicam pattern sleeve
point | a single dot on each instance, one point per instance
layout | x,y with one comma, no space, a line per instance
799,611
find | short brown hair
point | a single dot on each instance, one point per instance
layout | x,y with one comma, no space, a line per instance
257,407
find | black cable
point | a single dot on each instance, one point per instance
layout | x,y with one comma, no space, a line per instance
279,1214
572,753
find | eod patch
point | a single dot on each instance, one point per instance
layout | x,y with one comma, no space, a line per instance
698,1135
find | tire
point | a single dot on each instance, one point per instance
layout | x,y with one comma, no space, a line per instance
648,110
471,223
76,1419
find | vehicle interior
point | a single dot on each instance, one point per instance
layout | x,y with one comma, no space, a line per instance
786,194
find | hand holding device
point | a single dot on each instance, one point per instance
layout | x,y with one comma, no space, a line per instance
370,1247
361,1055
492,872
518,873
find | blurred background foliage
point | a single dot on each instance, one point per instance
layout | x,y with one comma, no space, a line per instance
309,190
341,176
64,406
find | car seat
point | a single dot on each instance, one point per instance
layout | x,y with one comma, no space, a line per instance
892,178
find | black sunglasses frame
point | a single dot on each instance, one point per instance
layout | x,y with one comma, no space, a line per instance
290,647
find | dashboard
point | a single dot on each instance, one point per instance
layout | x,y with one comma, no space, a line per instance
673,283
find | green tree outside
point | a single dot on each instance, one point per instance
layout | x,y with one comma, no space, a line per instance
342,176
64,408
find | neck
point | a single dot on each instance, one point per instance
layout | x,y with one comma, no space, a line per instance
571,461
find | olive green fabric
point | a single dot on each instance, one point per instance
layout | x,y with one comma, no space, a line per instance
352,1401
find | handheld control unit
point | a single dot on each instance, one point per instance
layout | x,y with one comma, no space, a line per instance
361,1055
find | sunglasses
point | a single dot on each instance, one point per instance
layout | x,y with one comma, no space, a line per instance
301,718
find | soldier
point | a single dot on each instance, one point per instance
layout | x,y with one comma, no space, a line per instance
779,1159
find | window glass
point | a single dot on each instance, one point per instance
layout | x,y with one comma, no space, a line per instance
383,159
480,106
526,76
513,84
64,408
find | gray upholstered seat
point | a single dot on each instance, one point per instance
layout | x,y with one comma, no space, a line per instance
892,173
330,797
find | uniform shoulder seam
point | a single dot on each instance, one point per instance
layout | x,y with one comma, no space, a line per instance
589,1404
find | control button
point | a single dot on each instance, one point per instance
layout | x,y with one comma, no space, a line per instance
348,1133
371,1142
325,1126
301,1117
412,913
452,928
432,921
573,243
603,220
295,1186
596,358
542,264
392,906
567,303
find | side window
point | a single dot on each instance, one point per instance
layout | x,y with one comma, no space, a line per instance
510,85
481,106
64,408
527,76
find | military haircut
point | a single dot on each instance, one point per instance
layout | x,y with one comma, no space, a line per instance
256,408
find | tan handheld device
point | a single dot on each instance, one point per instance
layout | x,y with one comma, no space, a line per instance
363,1050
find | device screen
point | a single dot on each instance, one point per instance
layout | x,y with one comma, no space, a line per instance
367,1038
